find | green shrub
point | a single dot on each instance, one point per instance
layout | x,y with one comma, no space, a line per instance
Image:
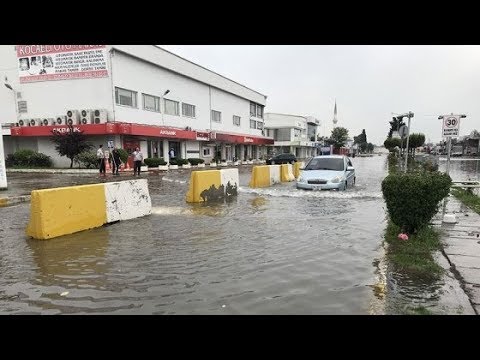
87,159
153,162
22,157
391,143
412,198
40,160
10,160
182,161
195,161
28,158
392,163
123,155
173,161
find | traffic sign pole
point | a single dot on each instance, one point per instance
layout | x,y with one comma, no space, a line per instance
449,144
410,115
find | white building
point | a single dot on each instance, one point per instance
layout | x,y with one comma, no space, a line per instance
129,96
292,134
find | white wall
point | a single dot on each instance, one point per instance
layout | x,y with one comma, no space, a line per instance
193,149
230,105
273,120
44,145
182,66
9,69
132,74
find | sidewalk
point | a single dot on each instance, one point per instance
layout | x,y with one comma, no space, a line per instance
462,247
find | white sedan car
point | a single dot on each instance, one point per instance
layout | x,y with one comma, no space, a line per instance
327,172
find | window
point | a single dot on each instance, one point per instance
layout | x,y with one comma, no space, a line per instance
259,125
206,151
126,97
236,120
188,110
282,135
253,124
253,109
260,111
151,103
171,107
216,116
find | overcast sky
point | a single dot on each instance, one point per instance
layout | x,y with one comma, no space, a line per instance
369,82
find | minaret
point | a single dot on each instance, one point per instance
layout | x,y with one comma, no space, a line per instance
335,120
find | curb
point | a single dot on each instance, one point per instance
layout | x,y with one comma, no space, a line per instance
13,200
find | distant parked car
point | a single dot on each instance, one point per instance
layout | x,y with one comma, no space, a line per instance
281,159
327,172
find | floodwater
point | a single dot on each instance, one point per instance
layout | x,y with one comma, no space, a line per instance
269,251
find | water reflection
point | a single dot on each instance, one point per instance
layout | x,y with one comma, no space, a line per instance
72,260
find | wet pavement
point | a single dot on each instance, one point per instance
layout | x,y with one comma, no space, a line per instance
462,246
270,251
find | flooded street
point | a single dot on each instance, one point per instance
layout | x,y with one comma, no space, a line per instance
270,251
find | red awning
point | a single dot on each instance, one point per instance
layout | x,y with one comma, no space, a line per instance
107,129
119,128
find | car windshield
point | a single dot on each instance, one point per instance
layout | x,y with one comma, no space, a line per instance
335,164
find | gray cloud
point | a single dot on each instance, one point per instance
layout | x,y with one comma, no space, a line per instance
369,82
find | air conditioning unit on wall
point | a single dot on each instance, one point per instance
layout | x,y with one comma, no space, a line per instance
47,121
85,117
72,117
99,116
34,122
61,120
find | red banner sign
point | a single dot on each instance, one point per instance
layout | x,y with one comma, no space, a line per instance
61,62
242,139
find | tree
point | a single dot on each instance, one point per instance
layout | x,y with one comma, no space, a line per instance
415,140
391,143
370,147
363,147
70,143
362,138
339,137
395,125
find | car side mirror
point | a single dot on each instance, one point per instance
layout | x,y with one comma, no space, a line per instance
350,168
302,168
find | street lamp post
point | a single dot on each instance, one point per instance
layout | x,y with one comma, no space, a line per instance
3,171
161,102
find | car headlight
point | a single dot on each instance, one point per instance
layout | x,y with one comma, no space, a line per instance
301,179
336,180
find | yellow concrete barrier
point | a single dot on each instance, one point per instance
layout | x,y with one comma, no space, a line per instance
61,211
296,169
286,173
265,175
212,185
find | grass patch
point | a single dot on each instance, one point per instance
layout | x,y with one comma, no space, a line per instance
468,198
415,254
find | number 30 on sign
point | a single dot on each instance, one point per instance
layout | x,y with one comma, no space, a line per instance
451,125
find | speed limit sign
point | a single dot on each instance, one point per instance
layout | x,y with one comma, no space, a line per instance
451,125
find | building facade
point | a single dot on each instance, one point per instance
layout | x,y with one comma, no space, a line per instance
292,134
127,96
